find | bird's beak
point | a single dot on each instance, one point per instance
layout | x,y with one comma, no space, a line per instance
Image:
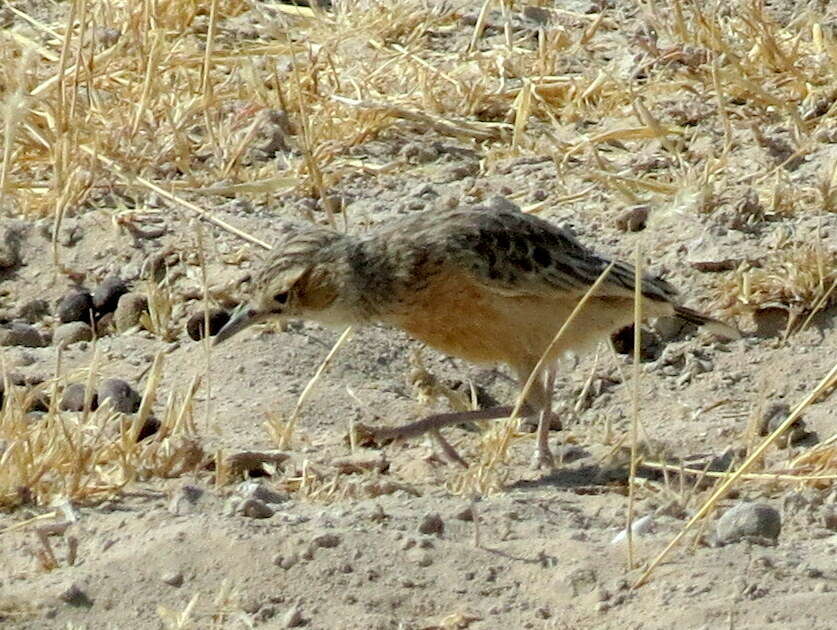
242,317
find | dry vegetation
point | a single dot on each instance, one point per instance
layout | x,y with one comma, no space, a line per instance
111,102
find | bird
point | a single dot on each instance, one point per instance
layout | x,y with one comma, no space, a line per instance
488,284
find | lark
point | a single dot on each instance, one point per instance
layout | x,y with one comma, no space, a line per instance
491,286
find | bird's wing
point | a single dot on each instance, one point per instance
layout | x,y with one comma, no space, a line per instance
517,254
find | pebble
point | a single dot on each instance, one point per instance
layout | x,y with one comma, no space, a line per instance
106,296
75,307
73,398
129,310
257,490
501,204
830,517
185,499
326,541
74,595
640,527
172,578
772,419
419,152
122,396
633,219
432,523
538,15
421,557
19,334
755,522
33,311
10,247
217,319
151,426
256,509
293,618
465,514
70,333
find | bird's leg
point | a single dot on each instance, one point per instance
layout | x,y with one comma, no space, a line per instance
542,457
447,449
435,422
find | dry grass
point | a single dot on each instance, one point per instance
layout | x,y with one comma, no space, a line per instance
167,97
87,457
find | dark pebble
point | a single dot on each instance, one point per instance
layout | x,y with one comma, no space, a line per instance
129,310
33,311
217,319
755,522
149,428
106,296
633,219
70,333
75,307
73,398
432,524
74,595
122,396
774,416
19,334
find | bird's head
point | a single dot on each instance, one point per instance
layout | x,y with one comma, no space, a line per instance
296,281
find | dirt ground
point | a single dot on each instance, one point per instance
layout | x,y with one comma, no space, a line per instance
217,521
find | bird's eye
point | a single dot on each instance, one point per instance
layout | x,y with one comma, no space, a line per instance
281,298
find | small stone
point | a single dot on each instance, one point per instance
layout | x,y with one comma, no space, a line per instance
633,219
172,578
421,557
74,595
466,514
122,396
257,490
217,319
500,203
185,499
105,325
70,333
19,334
231,506
10,247
707,256
285,561
254,508
293,618
33,311
755,522
830,517
326,541
623,342
773,418
432,524
419,152
640,527
106,296
149,428
538,15
73,398
75,307
771,321
129,310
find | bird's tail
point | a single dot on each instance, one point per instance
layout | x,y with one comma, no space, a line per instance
713,325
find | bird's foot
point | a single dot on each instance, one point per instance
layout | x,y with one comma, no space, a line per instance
542,459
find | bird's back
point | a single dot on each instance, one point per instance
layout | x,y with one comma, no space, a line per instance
511,252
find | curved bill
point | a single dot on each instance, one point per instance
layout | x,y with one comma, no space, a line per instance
242,317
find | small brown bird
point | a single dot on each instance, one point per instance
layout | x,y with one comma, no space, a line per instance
486,285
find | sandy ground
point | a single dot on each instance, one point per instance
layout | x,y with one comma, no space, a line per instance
392,536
